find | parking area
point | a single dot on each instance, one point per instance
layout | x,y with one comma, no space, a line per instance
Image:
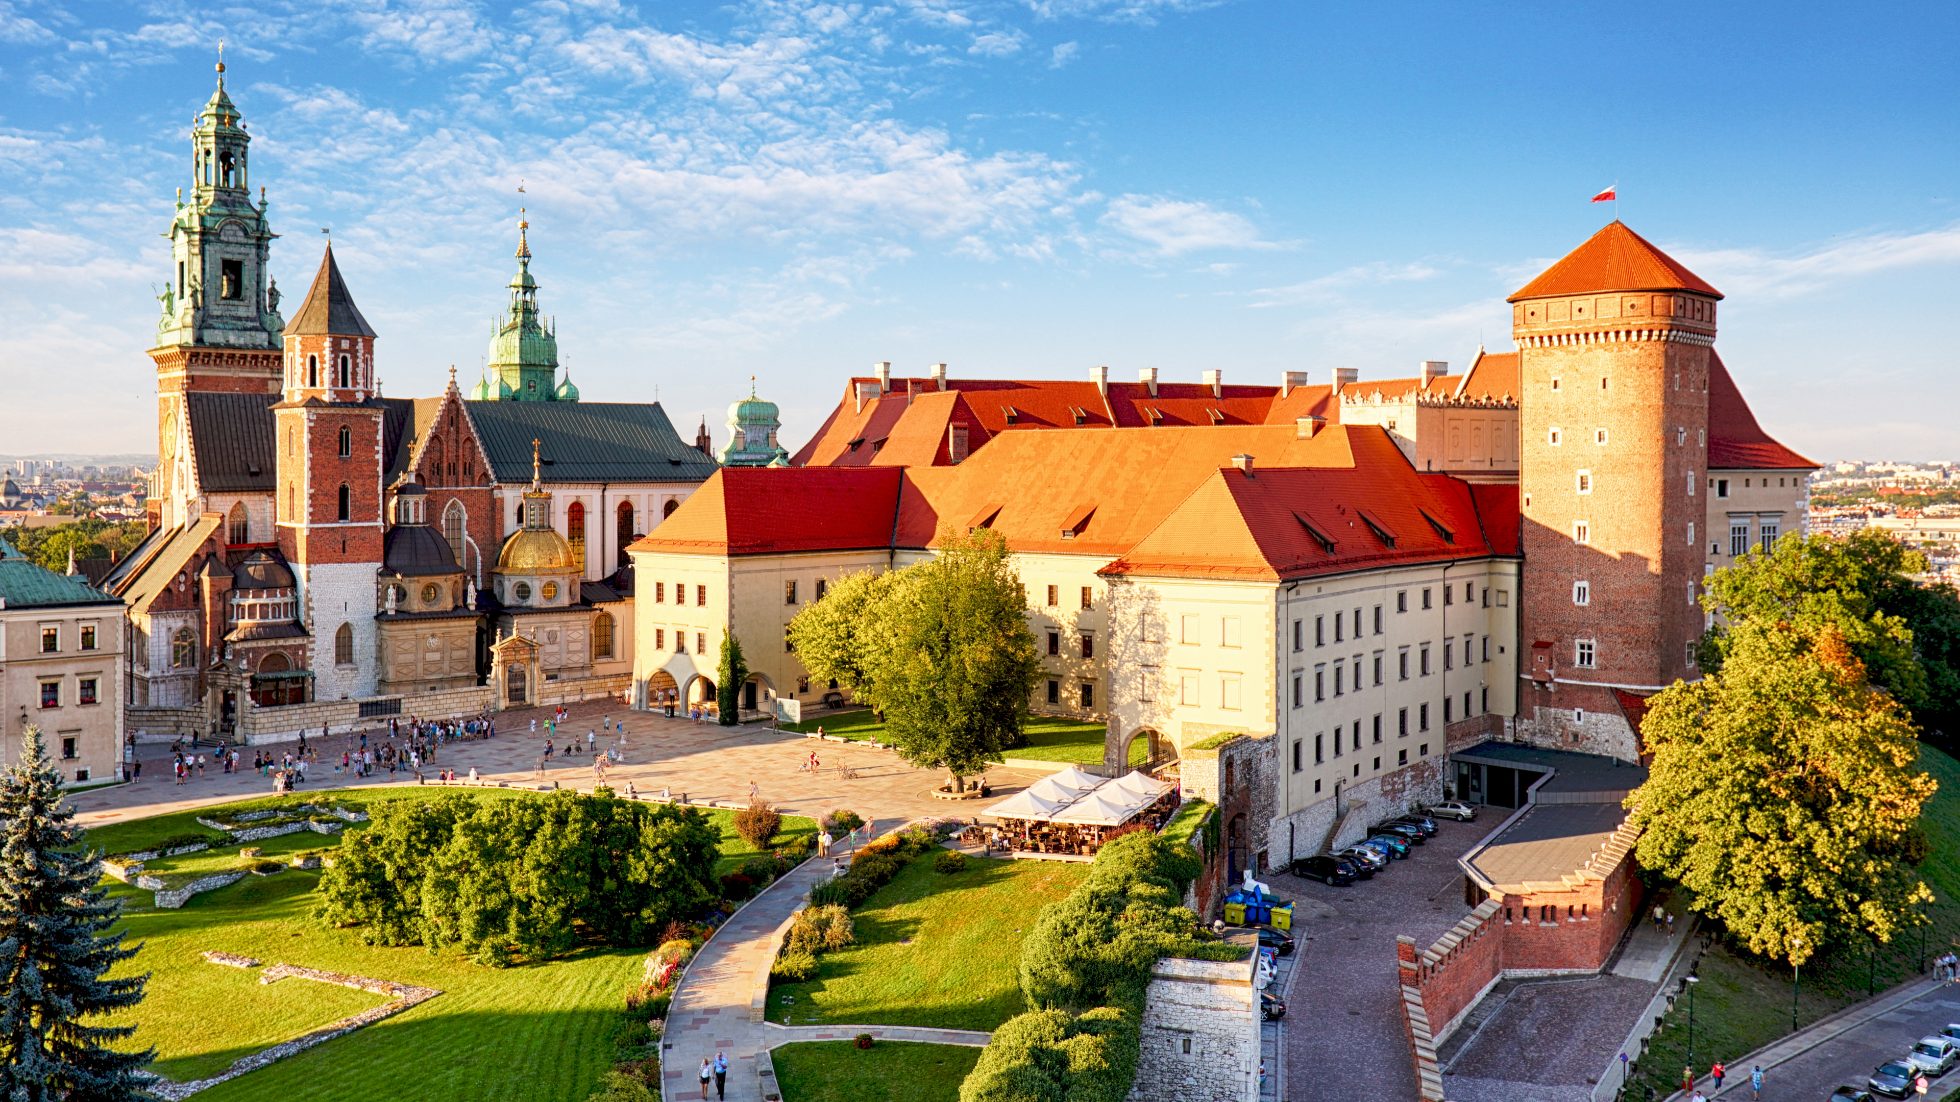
1831,1059
1343,1038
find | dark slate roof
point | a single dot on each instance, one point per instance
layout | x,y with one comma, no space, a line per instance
1576,776
262,570
329,307
586,442
27,584
232,438
415,549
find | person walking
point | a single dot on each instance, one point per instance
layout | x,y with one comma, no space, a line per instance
1756,1083
707,1073
1687,1078
1670,924
1716,1073
1660,916
721,1077
755,790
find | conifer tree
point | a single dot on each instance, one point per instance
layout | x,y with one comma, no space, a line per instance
733,672
56,950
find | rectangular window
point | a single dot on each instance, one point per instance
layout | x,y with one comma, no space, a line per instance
1054,643
1503,598
1402,756
1446,710
822,586
1228,692
1054,596
1228,631
1449,596
1299,691
1486,645
1581,532
1599,437
1340,635
231,280
1088,694
50,694
85,690
1554,436
1378,667
1691,533
50,640
1402,664
1582,593
1299,636
1378,728
1449,657
1337,742
1378,619
1466,704
1738,538
1319,749
1088,644
700,642
1187,626
1689,657
789,592
69,752
1338,671
1357,623
1769,535
660,638
1320,631
1582,654
1319,684
1297,747
88,636
1402,601
1187,689
1054,691
660,592
1721,487
1422,719
1691,483
1425,598
1425,660
1088,597
1402,722
1585,482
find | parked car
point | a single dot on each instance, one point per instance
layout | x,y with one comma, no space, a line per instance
1850,1094
1271,1006
1409,831
1893,1077
1378,848
1370,858
1421,822
1327,869
1934,1055
1276,940
1396,844
1453,809
1952,1030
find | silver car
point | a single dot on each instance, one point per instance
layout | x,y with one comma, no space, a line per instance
1935,1055
1453,809
1367,855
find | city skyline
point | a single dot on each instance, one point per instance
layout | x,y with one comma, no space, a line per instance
1022,190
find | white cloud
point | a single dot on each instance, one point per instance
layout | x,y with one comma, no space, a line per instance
1063,54
1172,227
1758,273
1117,11
998,44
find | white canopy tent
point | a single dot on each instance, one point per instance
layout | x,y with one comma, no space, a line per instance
1098,809
1026,804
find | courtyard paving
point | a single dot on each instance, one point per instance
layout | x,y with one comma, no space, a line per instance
703,762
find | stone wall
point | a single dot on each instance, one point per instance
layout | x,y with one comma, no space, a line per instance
1200,1033
169,899
261,725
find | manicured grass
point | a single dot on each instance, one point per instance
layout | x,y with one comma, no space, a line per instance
889,1071
1190,815
933,948
536,1034
1743,1003
1050,738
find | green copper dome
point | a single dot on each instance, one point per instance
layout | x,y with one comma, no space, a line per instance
524,349
566,391
481,391
752,427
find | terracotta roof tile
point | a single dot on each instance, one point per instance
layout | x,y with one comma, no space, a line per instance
1614,259
1735,440
773,510
1494,376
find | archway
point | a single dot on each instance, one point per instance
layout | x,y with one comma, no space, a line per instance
757,692
699,691
663,692
516,683
1147,749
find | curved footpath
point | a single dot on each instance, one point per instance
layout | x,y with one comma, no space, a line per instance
715,1006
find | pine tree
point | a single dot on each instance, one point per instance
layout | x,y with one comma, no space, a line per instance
56,950
733,672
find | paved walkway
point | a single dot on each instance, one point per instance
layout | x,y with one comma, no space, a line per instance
704,761
715,1008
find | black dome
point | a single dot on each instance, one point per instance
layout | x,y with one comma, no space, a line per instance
416,549
262,570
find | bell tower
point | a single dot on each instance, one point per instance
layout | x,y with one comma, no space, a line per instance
219,326
329,469
523,362
1613,344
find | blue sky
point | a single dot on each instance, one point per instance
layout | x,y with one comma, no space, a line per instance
794,190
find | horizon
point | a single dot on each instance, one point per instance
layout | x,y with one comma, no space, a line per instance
1021,190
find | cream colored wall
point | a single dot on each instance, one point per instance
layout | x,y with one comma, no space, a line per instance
1479,443
657,616
419,656
762,612
96,728
1191,658
1069,574
1752,498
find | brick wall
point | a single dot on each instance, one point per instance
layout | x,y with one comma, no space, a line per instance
1454,973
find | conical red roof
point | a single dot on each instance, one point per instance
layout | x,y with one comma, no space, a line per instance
1614,259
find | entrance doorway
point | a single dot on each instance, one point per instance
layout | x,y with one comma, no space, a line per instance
515,683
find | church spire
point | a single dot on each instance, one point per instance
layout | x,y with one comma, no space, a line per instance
523,348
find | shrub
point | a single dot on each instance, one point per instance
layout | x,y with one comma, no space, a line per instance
863,1040
735,887
950,862
758,823
842,821
622,1084
763,869
794,967
918,839
831,891
796,847
820,929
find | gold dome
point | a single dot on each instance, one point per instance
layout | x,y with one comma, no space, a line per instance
535,551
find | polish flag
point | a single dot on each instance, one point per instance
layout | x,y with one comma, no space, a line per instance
1607,196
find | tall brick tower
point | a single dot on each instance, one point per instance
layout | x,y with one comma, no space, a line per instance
329,496
1614,349
219,329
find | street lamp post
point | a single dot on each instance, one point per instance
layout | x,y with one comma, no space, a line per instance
1796,979
1693,982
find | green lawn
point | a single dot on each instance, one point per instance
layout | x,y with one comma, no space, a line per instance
536,1034
1741,1004
1050,738
889,1071
933,949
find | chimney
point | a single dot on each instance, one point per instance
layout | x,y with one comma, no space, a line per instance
1099,375
1243,463
1434,369
911,390
1290,379
1346,377
883,370
1148,377
1305,428
1215,379
939,376
866,391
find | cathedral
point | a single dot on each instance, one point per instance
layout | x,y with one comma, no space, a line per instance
320,554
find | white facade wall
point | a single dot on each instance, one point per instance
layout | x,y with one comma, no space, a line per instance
158,685
332,594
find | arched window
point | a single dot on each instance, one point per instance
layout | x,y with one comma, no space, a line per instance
346,372
668,509
239,530
625,529
343,645
455,521
313,371
346,442
183,649
344,509
602,635
575,533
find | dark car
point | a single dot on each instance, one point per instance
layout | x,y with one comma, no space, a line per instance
1276,940
1271,1006
1893,1077
1407,830
1421,822
1850,1094
1337,871
1396,844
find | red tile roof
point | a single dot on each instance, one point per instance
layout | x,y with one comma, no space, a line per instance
772,510
1493,375
1614,259
1735,440
1278,523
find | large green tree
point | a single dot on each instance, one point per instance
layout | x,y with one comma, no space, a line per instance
1783,792
56,950
941,649
1907,635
